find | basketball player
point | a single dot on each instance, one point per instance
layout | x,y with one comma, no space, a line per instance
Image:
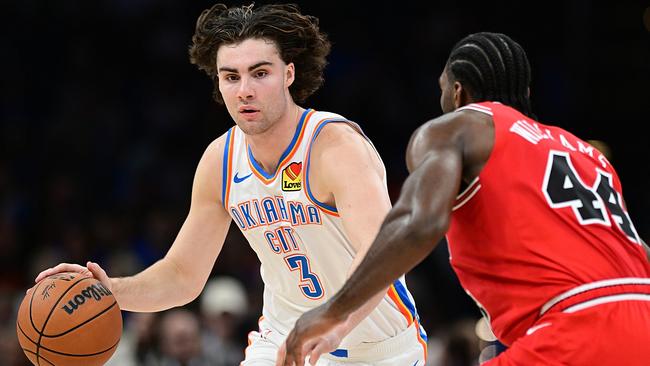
306,188
535,219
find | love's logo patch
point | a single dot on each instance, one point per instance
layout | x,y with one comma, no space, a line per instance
291,177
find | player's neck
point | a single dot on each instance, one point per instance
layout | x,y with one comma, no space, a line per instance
267,147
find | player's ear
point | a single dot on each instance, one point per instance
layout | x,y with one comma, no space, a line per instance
290,74
461,97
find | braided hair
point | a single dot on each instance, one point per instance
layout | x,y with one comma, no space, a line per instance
492,67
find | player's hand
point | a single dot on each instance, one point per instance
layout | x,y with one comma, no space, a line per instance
313,334
91,269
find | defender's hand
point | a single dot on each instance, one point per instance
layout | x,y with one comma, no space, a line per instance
313,334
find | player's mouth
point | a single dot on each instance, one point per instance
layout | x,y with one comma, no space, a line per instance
248,112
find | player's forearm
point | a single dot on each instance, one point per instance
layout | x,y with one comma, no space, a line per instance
399,246
159,287
362,312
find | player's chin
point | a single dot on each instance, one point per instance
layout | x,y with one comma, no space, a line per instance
252,128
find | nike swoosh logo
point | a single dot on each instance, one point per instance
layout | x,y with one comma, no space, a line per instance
237,179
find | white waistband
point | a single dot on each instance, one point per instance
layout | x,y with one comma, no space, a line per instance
592,286
370,352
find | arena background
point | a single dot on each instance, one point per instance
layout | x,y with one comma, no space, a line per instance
103,121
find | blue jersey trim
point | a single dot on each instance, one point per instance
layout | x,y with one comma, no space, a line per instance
224,174
284,154
404,296
308,190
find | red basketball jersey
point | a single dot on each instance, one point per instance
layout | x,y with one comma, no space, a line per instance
545,215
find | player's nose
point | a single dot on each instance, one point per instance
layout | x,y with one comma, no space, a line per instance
245,90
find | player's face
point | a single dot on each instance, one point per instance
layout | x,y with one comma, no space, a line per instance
447,92
254,83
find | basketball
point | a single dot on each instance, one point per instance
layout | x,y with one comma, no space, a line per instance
68,319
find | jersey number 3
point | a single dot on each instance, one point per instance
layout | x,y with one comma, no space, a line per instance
309,282
563,187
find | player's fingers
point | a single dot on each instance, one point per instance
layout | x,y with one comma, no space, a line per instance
43,274
317,351
99,273
307,348
291,358
287,360
316,348
62,267
69,267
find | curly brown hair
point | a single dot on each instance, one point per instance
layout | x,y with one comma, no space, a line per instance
297,37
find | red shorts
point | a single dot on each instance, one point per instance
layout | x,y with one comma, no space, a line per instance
614,333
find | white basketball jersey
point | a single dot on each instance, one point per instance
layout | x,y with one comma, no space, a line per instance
305,254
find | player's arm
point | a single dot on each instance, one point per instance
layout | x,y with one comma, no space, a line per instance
409,233
418,221
179,277
440,155
352,177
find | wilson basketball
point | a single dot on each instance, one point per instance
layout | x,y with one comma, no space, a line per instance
69,320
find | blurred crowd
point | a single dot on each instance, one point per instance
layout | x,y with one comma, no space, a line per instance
103,120
212,331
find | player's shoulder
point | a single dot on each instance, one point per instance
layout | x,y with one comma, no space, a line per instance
457,128
320,116
340,143
213,155
341,132
215,148
341,149
445,125
439,122
209,172
333,129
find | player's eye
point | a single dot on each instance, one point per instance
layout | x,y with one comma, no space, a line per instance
261,73
231,77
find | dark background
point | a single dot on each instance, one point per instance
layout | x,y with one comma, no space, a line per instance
103,119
